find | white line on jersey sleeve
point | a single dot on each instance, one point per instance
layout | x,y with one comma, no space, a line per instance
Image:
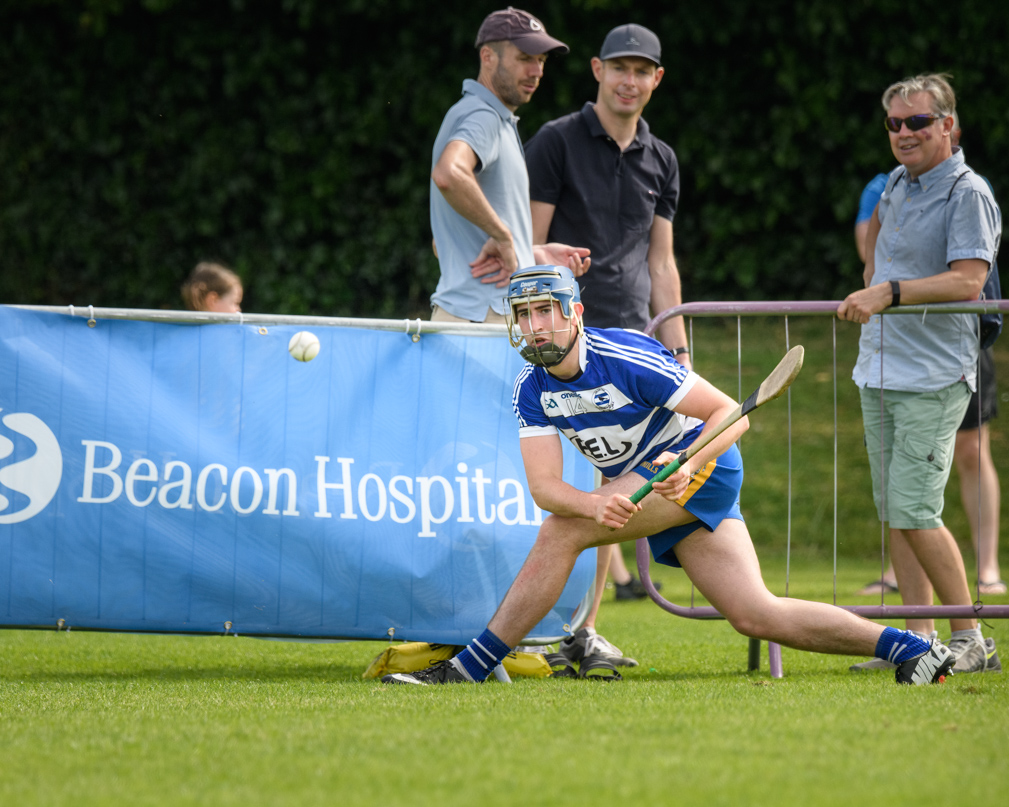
685,387
536,431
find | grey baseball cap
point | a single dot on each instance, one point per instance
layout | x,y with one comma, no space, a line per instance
631,40
522,29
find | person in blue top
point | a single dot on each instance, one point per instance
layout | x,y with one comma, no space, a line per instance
866,207
932,238
629,407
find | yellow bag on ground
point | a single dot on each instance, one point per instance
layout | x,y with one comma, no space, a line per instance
414,656
409,657
531,665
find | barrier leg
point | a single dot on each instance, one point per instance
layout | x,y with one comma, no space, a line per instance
774,657
753,660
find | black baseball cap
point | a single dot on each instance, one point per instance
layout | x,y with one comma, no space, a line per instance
522,29
631,40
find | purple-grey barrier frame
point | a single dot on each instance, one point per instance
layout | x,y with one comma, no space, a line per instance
881,611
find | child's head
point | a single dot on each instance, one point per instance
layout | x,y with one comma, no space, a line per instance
213,287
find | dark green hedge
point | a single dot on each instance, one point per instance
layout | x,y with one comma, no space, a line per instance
292,139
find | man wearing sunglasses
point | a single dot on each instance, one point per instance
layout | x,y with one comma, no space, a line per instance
932,239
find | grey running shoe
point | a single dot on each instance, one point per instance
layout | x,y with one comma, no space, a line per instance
444,672
930,667
587,642
994,665
973,656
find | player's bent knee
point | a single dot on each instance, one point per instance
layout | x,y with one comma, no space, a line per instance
569,532
753,628
753,621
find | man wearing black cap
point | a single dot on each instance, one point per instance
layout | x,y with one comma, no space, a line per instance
599,178
479,187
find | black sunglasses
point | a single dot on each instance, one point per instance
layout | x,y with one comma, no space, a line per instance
914,122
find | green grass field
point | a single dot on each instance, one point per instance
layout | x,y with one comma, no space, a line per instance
96,719
100,719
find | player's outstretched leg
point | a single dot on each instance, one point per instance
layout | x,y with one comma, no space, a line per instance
724,567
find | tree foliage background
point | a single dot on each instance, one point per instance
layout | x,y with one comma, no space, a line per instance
292,139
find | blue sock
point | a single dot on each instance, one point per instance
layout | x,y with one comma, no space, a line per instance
482,655
897,646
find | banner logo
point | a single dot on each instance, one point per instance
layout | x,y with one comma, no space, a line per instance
35,478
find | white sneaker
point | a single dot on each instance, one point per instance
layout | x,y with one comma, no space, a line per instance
587,642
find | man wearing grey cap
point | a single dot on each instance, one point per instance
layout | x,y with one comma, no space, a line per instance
480,213
598,176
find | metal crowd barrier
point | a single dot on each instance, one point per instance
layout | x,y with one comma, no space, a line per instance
821,308
415,328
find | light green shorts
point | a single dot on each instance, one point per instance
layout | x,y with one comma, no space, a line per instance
917,431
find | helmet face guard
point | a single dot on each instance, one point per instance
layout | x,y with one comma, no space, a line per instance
539,284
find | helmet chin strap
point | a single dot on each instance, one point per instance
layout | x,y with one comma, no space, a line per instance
546,355
549,354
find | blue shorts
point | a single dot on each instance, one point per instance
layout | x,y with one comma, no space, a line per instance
712,497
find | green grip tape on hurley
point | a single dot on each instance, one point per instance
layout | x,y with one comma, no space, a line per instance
645,489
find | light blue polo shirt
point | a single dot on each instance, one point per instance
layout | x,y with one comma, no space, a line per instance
491,130
920,235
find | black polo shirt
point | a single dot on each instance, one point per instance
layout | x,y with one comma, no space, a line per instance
605,200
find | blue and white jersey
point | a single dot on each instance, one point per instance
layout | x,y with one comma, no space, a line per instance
618,411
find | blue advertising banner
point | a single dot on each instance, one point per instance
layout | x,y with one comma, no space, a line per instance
196,478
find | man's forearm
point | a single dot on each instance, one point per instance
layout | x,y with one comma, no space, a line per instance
673,332
963,282
543,216
467,199
665,279
666,294
454,176
561,499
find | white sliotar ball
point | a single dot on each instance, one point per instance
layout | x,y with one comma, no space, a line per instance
304,346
